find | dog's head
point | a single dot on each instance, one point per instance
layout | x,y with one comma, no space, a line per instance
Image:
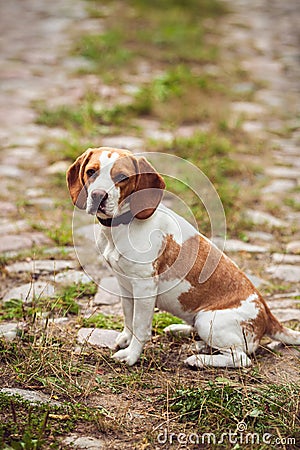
106,182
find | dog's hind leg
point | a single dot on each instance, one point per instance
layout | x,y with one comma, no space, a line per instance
179,329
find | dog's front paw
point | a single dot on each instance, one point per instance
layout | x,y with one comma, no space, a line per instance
124,339
127,356
194,361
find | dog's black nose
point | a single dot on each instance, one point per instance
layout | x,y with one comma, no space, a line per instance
99,196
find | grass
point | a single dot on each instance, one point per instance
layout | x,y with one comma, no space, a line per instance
27,426
63,304
221,407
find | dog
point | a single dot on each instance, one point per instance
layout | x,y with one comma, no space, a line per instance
158,258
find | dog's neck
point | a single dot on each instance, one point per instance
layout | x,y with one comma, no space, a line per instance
122,219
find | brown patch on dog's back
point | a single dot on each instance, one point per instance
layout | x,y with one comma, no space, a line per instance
226,288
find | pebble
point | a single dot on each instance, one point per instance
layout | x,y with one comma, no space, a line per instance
260,218
58,167
293,247
12,242
234,245
278,186
285,272
128,142
287,314
251,110
256,281
7,208
71,276
7,227
84,442
40,266
260,235
30,291
9,331
32,397
283,172
98,337
285,258
282,304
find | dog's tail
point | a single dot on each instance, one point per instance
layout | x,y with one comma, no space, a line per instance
280,333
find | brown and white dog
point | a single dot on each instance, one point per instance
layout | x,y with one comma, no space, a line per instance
158,257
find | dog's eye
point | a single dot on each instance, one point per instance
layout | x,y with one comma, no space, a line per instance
90,172
121,177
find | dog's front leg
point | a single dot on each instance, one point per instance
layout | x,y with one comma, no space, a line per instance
144,292
124,339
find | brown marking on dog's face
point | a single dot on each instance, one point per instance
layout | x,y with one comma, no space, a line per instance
148,192
226,288
125,175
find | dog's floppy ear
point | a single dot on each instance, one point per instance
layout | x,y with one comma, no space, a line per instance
75,180
149,191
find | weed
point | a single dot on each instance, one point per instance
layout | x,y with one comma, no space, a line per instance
221,408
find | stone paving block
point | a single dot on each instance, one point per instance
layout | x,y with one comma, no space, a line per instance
260,218
108,292
284,258
293,247
98,337
31,396
84,442
30,291
13,242
70,277
234,245
7,208
9,331
40,266
285,272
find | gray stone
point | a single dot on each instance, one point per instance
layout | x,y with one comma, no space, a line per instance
285,272
45,203
34,192
71,276
287,314
260,235
10,171
29,291
287,295
128,142
32,397
251,110
89,232
282,304
58,167
108,292
13,227
260,218
283,172
7,208
18,242
278,186
84,442
9,331
234,245
252,127
98,337
293,247
158,135
256,281
283,258
41,266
